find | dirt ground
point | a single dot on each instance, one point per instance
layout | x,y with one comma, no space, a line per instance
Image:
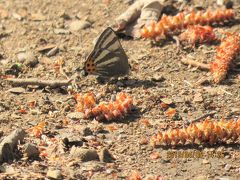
157,75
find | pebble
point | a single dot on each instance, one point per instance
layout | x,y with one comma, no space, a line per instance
86,131
54,174
79,25
198,98
205,161
227,167
17,16
28,58
158,78
235,110
61,31
9,143
30,150
167,101
53,51
105,156
17,90
75,115
84,154
38,17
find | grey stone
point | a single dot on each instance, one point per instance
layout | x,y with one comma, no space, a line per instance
9,143
105,156
84,154
30,150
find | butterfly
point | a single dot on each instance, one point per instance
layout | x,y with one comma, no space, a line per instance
108,58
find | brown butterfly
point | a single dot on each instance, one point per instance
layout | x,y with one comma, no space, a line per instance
108,59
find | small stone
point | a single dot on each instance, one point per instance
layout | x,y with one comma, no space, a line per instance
75,115
54,174
30,150
38,17
227,167
105,156
167,101
198,98
79,25
84,154
158,78
9,143
205,161
17,90
69,142
28,58
64,15
61,31
17,16
235,110
87,131
53,51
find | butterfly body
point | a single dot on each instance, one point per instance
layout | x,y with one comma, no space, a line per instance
108,59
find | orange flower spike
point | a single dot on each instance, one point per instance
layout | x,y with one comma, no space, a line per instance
204,132
96,111
171,23
121,97
229,14
190,18
226,52
159,30
166,139
102,106
89,100
37,130
144,32
151,30
198,17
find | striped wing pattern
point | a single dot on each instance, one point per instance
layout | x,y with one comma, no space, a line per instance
108,57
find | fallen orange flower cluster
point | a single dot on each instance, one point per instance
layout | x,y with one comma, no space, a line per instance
203,132
37,130
112,110
226,52
169,24
198,34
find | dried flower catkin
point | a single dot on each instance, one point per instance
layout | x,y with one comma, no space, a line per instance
198,34
226,52
104,110
207,131
170,24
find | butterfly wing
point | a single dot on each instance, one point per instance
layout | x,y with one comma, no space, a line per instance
108,57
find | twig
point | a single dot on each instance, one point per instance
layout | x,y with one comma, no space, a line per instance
38,82
195,64
201,117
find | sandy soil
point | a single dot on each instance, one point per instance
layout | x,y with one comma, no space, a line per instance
157,73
